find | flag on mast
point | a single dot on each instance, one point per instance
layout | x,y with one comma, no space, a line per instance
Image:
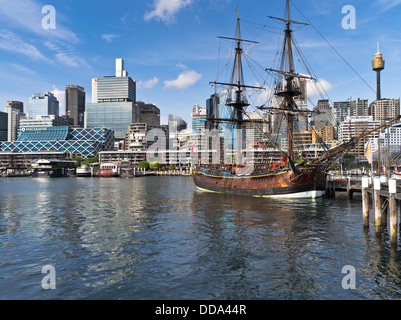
368,150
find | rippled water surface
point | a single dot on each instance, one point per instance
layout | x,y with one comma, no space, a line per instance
160,238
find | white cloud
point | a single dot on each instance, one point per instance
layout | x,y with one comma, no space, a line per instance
184,80
109,37
11,42
318,88
27,15
60,95
148,84
265,95
65,54
22,68
165,10
385,5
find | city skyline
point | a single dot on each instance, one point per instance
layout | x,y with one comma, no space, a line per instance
172,51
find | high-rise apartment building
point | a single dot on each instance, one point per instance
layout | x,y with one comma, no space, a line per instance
355,126
350,108
384,109
359,107
341,111
115,105
14,109
43,104
75,104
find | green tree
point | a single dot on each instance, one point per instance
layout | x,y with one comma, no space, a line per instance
155,165
78,162
171,167
89,161
143,165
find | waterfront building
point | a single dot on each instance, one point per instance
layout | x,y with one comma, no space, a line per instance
86,142
384,109
136,137
43,104
44,121
13,160
115,105
165,157
354,127
3,126
75,104
148,113
390,142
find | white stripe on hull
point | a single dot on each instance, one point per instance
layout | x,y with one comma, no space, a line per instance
299,195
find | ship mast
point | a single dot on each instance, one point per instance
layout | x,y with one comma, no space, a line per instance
288,90
239,103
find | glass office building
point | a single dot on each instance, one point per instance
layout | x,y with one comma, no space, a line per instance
43,104
115,105
88,142
116,116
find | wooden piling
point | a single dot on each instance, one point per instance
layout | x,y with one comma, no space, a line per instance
378,203
327,187
349,189
365,201
392,188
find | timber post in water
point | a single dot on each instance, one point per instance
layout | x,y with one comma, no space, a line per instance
392,188
365,201
378,203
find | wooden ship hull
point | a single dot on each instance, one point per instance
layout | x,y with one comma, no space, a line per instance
309,183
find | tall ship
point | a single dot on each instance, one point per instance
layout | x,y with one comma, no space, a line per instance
287,173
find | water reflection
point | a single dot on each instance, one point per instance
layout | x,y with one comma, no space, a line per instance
159,238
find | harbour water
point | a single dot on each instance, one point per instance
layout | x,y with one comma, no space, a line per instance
159,238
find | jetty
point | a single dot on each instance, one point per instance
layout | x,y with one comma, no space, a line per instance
381,199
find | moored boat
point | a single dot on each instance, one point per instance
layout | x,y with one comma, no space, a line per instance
83,171
108,170
298,175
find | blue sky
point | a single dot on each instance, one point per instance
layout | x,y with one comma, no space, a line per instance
170,47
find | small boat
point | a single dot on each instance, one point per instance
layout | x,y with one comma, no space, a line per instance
83,171
397,173
108,170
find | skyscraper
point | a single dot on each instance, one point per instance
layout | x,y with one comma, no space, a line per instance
43,104
114,107
384,109
14,109
148,113
75,104
15,105
3,126
198,119
325,116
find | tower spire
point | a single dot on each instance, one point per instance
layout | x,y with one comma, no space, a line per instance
378,66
